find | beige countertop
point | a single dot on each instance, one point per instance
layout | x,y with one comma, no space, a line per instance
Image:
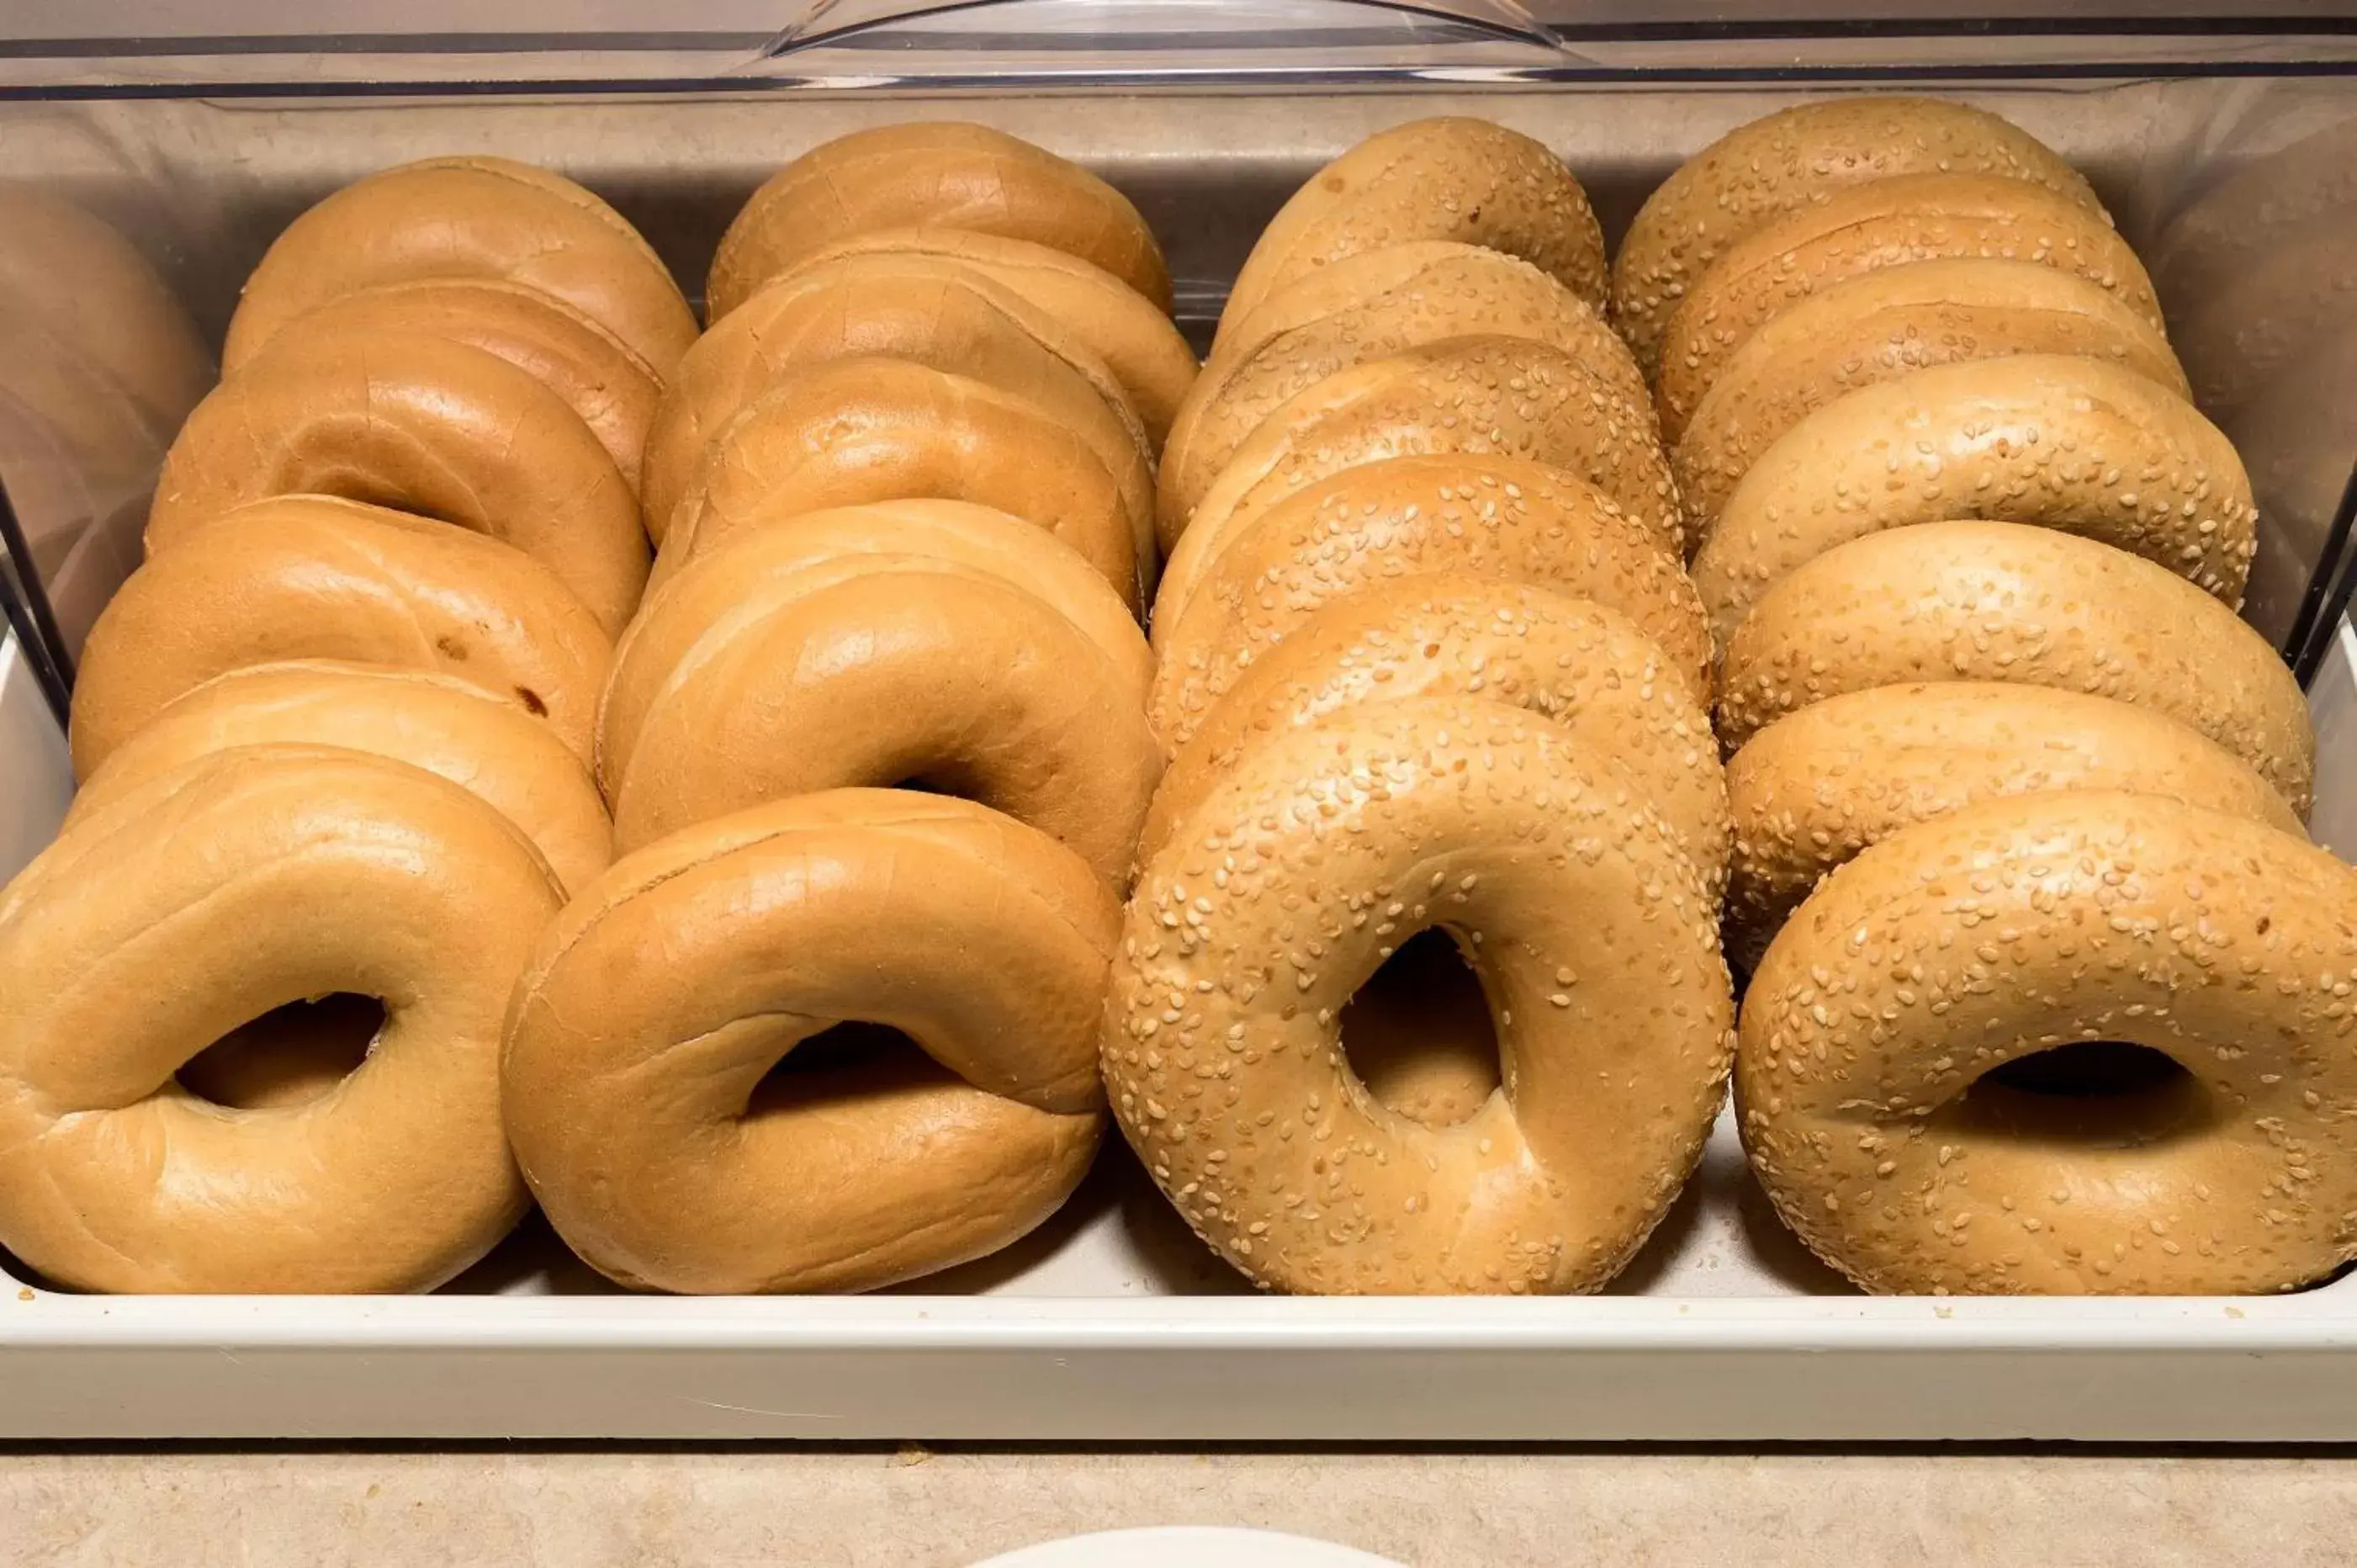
910,1510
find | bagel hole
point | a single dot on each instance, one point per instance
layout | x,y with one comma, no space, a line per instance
2111,1092
1419,1033
840,1062
290,1055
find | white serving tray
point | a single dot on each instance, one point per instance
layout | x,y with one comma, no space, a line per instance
1113,1324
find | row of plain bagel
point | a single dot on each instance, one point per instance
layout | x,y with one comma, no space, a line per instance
1415,432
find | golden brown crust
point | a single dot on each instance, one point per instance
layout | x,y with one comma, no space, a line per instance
1811,791
1797,157
1284,890
1445,178
238,882
941,175
1996,601
1491,517
979,938
316,577
467,218
2017,925
435,428
1888,223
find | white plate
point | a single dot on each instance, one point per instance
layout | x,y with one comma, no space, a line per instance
1186,1547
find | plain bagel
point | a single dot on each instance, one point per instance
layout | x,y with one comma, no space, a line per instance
314,577
467,218
859,431
1597,945
1507,397
448,728
941,176
1882,325
211,893
2068,444
1587,668
439,429
1875,1083
601,378
1773,166
642,1034
1499,518
1370,306
1892,222
870,667
928,309
1810,791
1997,601
1138,342
1449,179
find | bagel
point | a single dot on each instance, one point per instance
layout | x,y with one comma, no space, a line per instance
969,537
1887,1140
439,429
1278,896
1587,668
2067,444
924,308
1793,159
1363,308
1507,397
1881,325
210,894
467,218
1449,179
858,431
314,577
940,175
1995,601
450,728
868,668
1139,343
1809,791
1490,516
1888,224
600,378
642,1032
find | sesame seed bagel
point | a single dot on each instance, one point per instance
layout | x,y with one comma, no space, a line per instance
641,1035
314,577
1809,791
2068,444
936,175
1881,1115
1274,899
1587,668
450,728
1496,518
1138,342
1795,158
1882,325
601,378
867,430
1449,179
928,309
872,668
1995,601
467,217
437,428
208,896
1363,308
1507,397
1888,224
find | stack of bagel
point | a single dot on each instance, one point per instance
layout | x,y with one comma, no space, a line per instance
2007,771
1428,661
